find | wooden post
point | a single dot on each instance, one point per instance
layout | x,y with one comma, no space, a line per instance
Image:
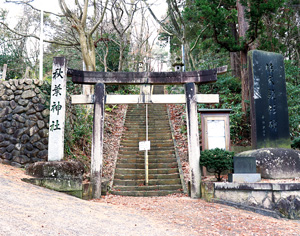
193,139
57,109
97,145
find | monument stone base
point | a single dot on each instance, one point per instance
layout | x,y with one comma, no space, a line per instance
244,178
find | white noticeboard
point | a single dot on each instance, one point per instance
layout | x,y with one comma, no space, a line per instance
216,134
144,146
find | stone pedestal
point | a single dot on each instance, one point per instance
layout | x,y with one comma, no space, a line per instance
244,178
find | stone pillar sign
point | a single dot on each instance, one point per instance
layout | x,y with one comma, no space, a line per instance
269,110
57,110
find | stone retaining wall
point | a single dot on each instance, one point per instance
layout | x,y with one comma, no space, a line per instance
280,198
23,122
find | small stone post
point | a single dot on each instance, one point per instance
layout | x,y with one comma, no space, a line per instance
57,109
97,145
193,139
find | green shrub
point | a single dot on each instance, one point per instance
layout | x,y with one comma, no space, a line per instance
296,143
216,161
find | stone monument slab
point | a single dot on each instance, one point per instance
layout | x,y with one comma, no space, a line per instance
244,164
269,110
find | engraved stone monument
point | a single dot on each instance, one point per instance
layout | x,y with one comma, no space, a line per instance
269,110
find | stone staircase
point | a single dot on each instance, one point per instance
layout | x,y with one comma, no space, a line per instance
164,178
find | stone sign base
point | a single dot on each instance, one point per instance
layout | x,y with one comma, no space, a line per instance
272,199
244,178
62,176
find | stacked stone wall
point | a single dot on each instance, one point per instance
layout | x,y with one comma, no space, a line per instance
24,122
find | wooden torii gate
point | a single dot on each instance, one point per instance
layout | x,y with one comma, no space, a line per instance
99,99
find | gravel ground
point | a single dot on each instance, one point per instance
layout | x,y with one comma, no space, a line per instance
31,210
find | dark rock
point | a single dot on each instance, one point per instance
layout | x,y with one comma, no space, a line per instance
33,130
2,128
39,116
29,123
44,133
37,90
4,104
276,163
17,98
19,109
1,137
13,104
28,94
21,86
35,138
18,92
5,111
29,147
10,148
20,132
15,164
30,111
7,156
43,154
27,87
4,144
9,116
35,99
23,102
46,113
41,124
39,107
28,81
11,130
45,141
10,97
21,159
2,150
56,169
20,118
9,92
13,140
6,124
33,117
14,123
40,146
25,138
7,137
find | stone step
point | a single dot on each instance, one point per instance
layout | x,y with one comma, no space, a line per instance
118,182
142,160
151,152
153,193
151,165
141,171
148,188
142,176
150,157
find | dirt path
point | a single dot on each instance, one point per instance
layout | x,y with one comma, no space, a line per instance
30,210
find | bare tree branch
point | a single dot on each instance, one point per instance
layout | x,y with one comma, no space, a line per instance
36,37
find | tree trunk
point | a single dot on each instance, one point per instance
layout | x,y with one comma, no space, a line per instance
243,27
235,63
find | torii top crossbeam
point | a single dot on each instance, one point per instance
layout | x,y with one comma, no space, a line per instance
197,77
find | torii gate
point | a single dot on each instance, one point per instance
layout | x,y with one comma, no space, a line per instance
99,99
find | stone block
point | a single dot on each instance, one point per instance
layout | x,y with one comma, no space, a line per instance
244,178
56,169
276,163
